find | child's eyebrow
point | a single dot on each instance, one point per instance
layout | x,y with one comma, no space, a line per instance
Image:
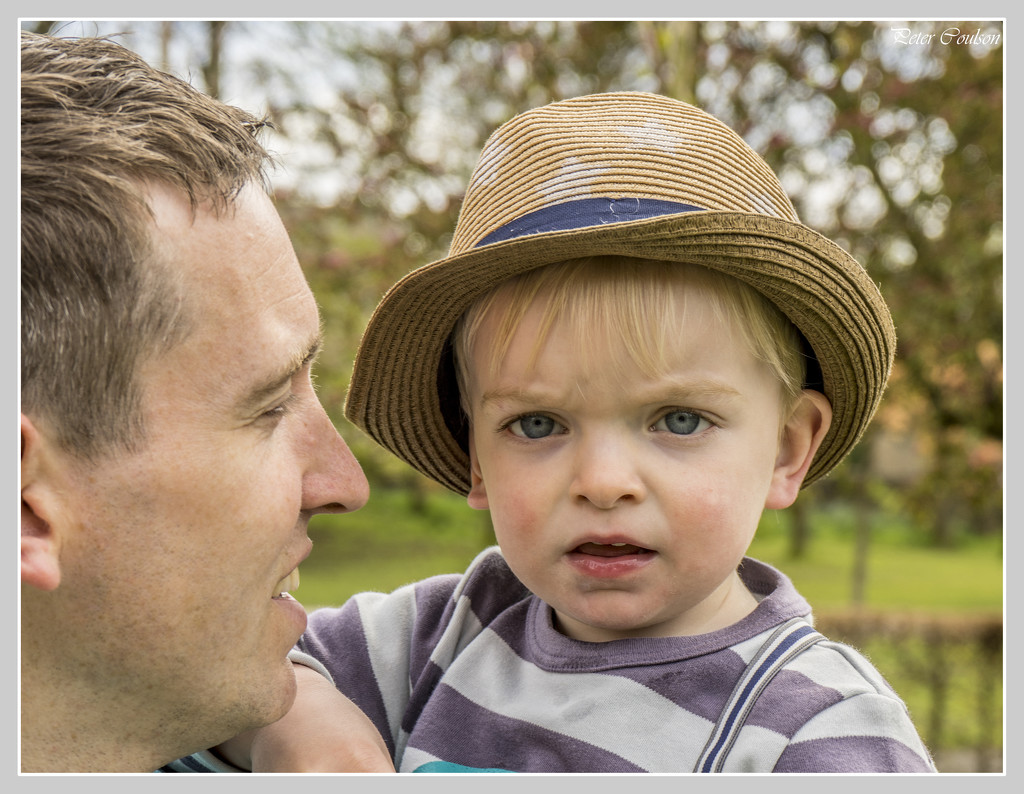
670,392
513,394
677,390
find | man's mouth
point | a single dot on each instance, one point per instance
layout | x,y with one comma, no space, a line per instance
287,584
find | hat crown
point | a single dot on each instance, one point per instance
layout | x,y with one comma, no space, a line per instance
616,145
623,175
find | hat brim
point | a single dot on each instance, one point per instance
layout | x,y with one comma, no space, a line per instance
403,392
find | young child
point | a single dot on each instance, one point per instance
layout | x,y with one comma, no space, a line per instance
633,349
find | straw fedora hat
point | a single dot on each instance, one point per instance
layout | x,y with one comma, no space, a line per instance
631,174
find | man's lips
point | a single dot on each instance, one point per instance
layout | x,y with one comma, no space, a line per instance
290,581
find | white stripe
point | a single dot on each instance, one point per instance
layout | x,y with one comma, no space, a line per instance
863,715
756,749
388,640
611,712
462,629
840,667
748,649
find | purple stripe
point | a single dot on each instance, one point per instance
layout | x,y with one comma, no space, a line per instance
459,731
702,685
423,690
345,653
850,754
581,213
514,626
789,701
494,588
434,607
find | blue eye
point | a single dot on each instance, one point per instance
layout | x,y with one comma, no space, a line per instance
533,426
682,423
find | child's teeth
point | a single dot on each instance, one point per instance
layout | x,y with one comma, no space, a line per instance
617,544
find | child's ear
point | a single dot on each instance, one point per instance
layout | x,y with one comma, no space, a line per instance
477,497
801,437
40,547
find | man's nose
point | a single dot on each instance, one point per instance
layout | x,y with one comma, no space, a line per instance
334,481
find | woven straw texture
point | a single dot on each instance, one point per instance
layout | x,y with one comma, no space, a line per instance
615,146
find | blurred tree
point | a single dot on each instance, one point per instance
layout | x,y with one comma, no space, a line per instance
400,127
892,149
896,152
211,66
672,50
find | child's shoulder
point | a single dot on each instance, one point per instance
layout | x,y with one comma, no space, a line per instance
838,704
490,584
843,668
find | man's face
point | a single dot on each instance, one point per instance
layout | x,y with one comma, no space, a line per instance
626,500
182,549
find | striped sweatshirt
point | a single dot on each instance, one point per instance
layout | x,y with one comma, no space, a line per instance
466,673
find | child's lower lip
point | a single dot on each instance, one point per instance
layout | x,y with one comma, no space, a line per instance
608,562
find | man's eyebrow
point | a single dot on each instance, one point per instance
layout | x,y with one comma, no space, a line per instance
255,397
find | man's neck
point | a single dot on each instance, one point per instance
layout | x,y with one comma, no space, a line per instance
62,731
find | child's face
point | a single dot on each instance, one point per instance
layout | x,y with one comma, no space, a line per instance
624,500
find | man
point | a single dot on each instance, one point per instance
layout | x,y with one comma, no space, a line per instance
172,447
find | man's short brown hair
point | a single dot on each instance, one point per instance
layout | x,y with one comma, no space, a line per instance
97,124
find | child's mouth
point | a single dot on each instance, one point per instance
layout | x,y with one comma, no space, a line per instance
610,561
610,549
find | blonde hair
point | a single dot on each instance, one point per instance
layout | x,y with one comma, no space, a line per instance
632,301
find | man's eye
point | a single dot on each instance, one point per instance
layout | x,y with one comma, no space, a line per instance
281,409
534,426
682,423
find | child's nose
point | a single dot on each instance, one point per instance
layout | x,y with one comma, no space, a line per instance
607,474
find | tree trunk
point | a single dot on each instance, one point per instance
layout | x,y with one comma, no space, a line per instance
211,69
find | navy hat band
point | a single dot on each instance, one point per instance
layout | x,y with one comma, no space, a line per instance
582,213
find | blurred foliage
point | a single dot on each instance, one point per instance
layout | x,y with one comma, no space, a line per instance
890,145
895,153
891,148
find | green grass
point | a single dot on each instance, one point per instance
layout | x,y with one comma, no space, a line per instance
902,574
387,544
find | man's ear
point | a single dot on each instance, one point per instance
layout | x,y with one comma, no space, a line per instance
477,497
40,548
802,435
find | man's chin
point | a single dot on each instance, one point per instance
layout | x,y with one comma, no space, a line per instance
286,689
268,696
